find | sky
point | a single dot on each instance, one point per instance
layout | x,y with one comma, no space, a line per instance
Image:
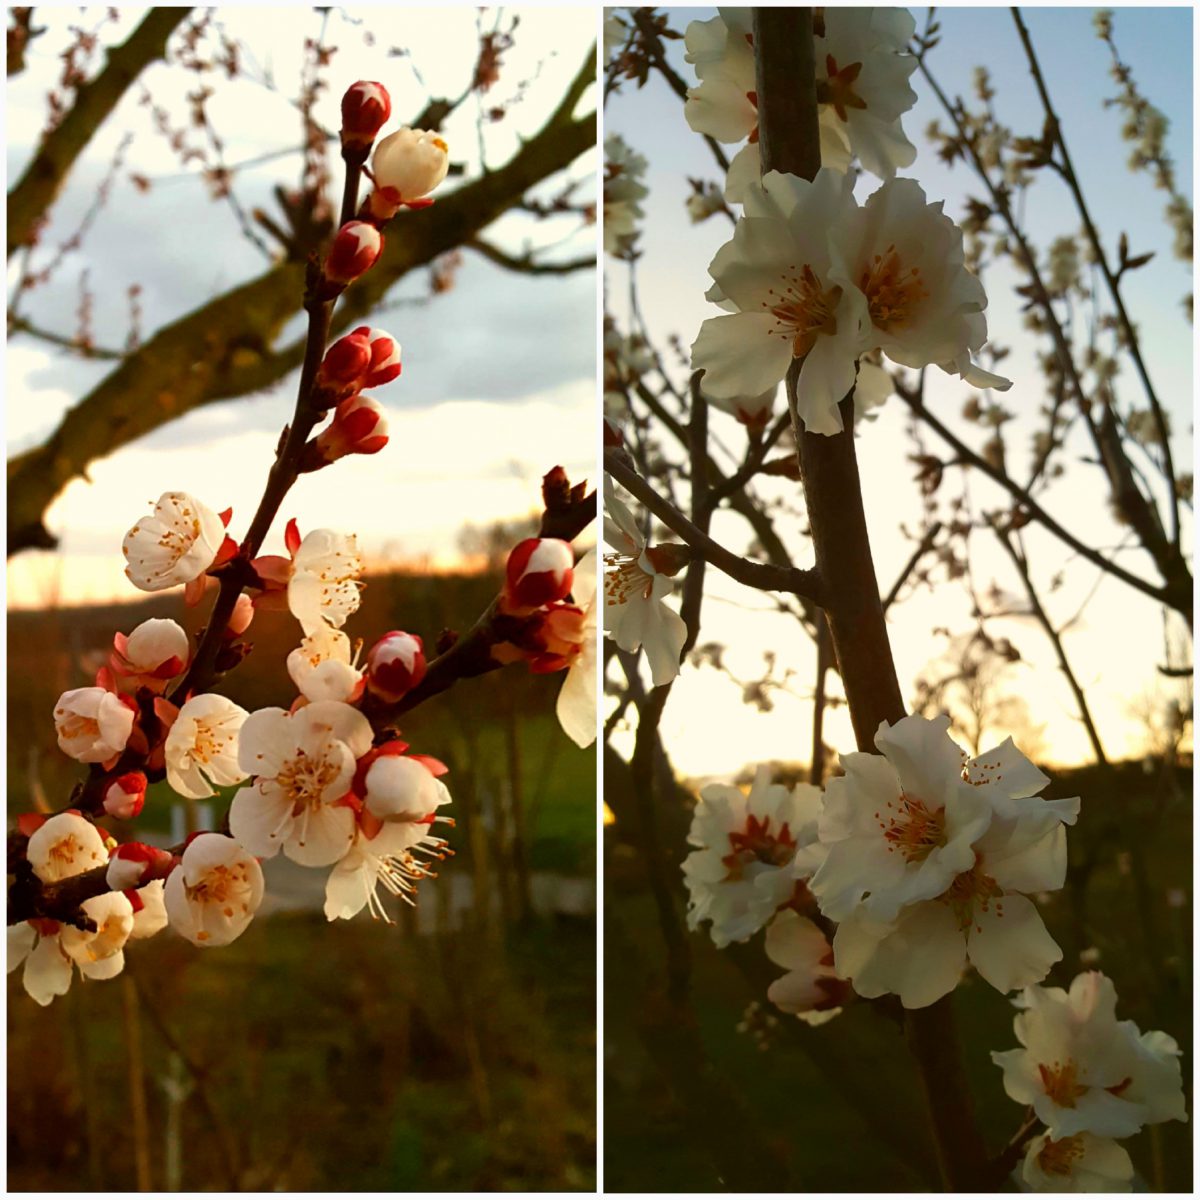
1114,647
498,382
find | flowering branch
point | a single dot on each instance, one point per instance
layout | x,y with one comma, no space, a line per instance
790,142
765,576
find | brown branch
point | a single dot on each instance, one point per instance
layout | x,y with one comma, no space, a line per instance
790,142
923,548
526,264
34,193
1131,341
764,576
224,348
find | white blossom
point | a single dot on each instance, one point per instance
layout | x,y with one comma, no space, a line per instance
1081,1163
751,851
92,724
321,666
623,193
811,989
177,544
202,746
215,891
304,763
324,584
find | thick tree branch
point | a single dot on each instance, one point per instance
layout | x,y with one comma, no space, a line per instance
526,264
33,194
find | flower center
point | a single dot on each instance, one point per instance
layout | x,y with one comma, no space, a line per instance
304,780
1057,1158
1060,1083
892,293
970,892
756,843
911,828
227,886
64,850
402,873
838,88
77,726
804,310
209,742
624,578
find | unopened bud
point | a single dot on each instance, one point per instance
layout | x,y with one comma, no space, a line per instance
539,571
358,427
366,107
136,863
345,363
406,166
125,795
355,250
385,358
240,618
395,665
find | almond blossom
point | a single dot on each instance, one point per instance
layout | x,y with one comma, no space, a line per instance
811,989
1083,1071
93,724
149,909
930,855
64,845
202,747
809,275
215,891
177,544
862,74
1081,1163
623,193
637,578
304,763
752,851
321,667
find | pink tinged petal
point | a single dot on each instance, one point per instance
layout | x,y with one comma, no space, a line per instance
795,943
744,170
825,380
47,971
741,354
260,817
339,721
189,781
920,958
1008,944
320,836
721,109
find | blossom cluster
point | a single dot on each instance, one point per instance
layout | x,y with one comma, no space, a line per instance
1089,1079
327,781
623,193
919,859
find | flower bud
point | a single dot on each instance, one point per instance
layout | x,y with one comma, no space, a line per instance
355,250
406,166
135,863
345,363
358,427
240,618
400,788
366,107
395,665
125,795
539,571
385,358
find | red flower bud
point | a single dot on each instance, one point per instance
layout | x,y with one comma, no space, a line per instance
355,250
345,362
539,571
385,357
125,795
358,427
240,618
366,107
395,665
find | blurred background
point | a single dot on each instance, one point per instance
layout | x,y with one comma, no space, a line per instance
154,318
707,1086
